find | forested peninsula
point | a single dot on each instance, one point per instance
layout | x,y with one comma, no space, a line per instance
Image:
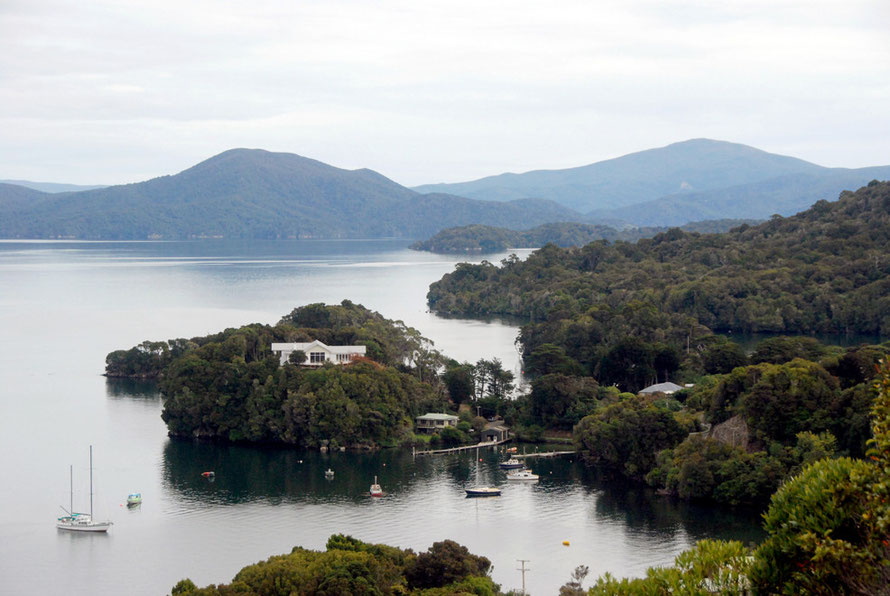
479,238
231,386
607,320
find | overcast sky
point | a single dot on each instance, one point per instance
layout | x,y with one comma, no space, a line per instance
115,91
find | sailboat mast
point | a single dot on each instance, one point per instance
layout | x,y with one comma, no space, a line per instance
91,482
71,482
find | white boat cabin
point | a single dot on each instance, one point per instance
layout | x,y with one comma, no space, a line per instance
317,353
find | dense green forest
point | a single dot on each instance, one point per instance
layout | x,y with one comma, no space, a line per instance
350,566
828,532
486,239
655,304
606,320
231,386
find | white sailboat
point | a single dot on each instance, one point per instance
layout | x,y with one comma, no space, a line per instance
82,522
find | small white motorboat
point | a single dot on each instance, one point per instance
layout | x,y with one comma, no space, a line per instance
329,473
134,499
523,475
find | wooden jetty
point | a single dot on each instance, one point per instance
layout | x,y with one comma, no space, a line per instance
461,448
543,454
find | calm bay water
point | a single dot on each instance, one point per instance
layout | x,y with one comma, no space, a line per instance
65,305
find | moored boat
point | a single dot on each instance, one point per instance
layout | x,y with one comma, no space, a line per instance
134,499
329,473
522,475
376,490
483,491
82,522
511,464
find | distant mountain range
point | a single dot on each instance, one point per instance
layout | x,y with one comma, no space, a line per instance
52,186
251,193
688,181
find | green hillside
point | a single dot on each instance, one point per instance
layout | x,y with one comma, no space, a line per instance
488,239
825,270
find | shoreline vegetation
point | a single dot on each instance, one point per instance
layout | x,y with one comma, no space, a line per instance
827,533
482,239
606,320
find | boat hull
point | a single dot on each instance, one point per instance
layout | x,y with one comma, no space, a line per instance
511,464
483,492
523,477
85,527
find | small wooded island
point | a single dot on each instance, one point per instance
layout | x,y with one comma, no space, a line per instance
233,386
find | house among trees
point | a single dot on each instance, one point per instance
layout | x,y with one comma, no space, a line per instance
430,423
317,353
666,388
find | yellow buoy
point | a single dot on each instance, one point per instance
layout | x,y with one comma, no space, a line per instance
565,542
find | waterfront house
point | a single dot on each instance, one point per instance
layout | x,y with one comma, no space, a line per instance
317,353
666,388
430,423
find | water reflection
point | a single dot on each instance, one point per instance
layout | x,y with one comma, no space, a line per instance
132,388
274,475
244,474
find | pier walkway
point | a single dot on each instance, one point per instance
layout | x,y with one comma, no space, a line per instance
543,454
461,448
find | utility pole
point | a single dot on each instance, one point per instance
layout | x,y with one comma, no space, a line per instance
523,570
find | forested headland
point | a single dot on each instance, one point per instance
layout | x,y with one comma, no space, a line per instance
231,386
825,270
608,319
479,238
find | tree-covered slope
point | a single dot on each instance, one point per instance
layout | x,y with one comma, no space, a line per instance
257,194
14,199
488,239
824,270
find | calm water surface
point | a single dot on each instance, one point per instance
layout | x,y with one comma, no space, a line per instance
64,306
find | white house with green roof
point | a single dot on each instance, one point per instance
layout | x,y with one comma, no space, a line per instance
430,423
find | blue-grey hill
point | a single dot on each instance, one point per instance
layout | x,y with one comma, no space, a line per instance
245,193
688,181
